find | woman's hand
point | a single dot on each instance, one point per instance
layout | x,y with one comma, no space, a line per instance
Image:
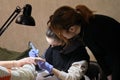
44,65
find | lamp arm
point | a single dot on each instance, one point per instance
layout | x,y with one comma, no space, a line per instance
10,19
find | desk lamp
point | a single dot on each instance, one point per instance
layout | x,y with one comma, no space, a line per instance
25,18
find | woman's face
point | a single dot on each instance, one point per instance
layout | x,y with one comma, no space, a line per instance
67,34
73,31
53,42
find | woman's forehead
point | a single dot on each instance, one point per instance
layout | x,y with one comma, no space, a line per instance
50,40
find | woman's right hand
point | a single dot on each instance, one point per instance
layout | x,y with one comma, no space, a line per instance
44,65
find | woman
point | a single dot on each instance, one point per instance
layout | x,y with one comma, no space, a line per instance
66,63
98,32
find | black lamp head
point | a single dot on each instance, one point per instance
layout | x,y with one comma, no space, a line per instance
26,18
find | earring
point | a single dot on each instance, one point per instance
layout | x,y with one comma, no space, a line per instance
59,33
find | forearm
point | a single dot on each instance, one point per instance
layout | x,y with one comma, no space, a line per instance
76,75
61,74
8,64
17,63
75,72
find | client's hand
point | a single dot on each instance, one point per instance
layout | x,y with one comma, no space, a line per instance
21,62
44,65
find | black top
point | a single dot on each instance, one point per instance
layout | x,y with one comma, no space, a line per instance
101,35
62,57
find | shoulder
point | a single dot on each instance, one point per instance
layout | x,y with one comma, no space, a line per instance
103,18
100,22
